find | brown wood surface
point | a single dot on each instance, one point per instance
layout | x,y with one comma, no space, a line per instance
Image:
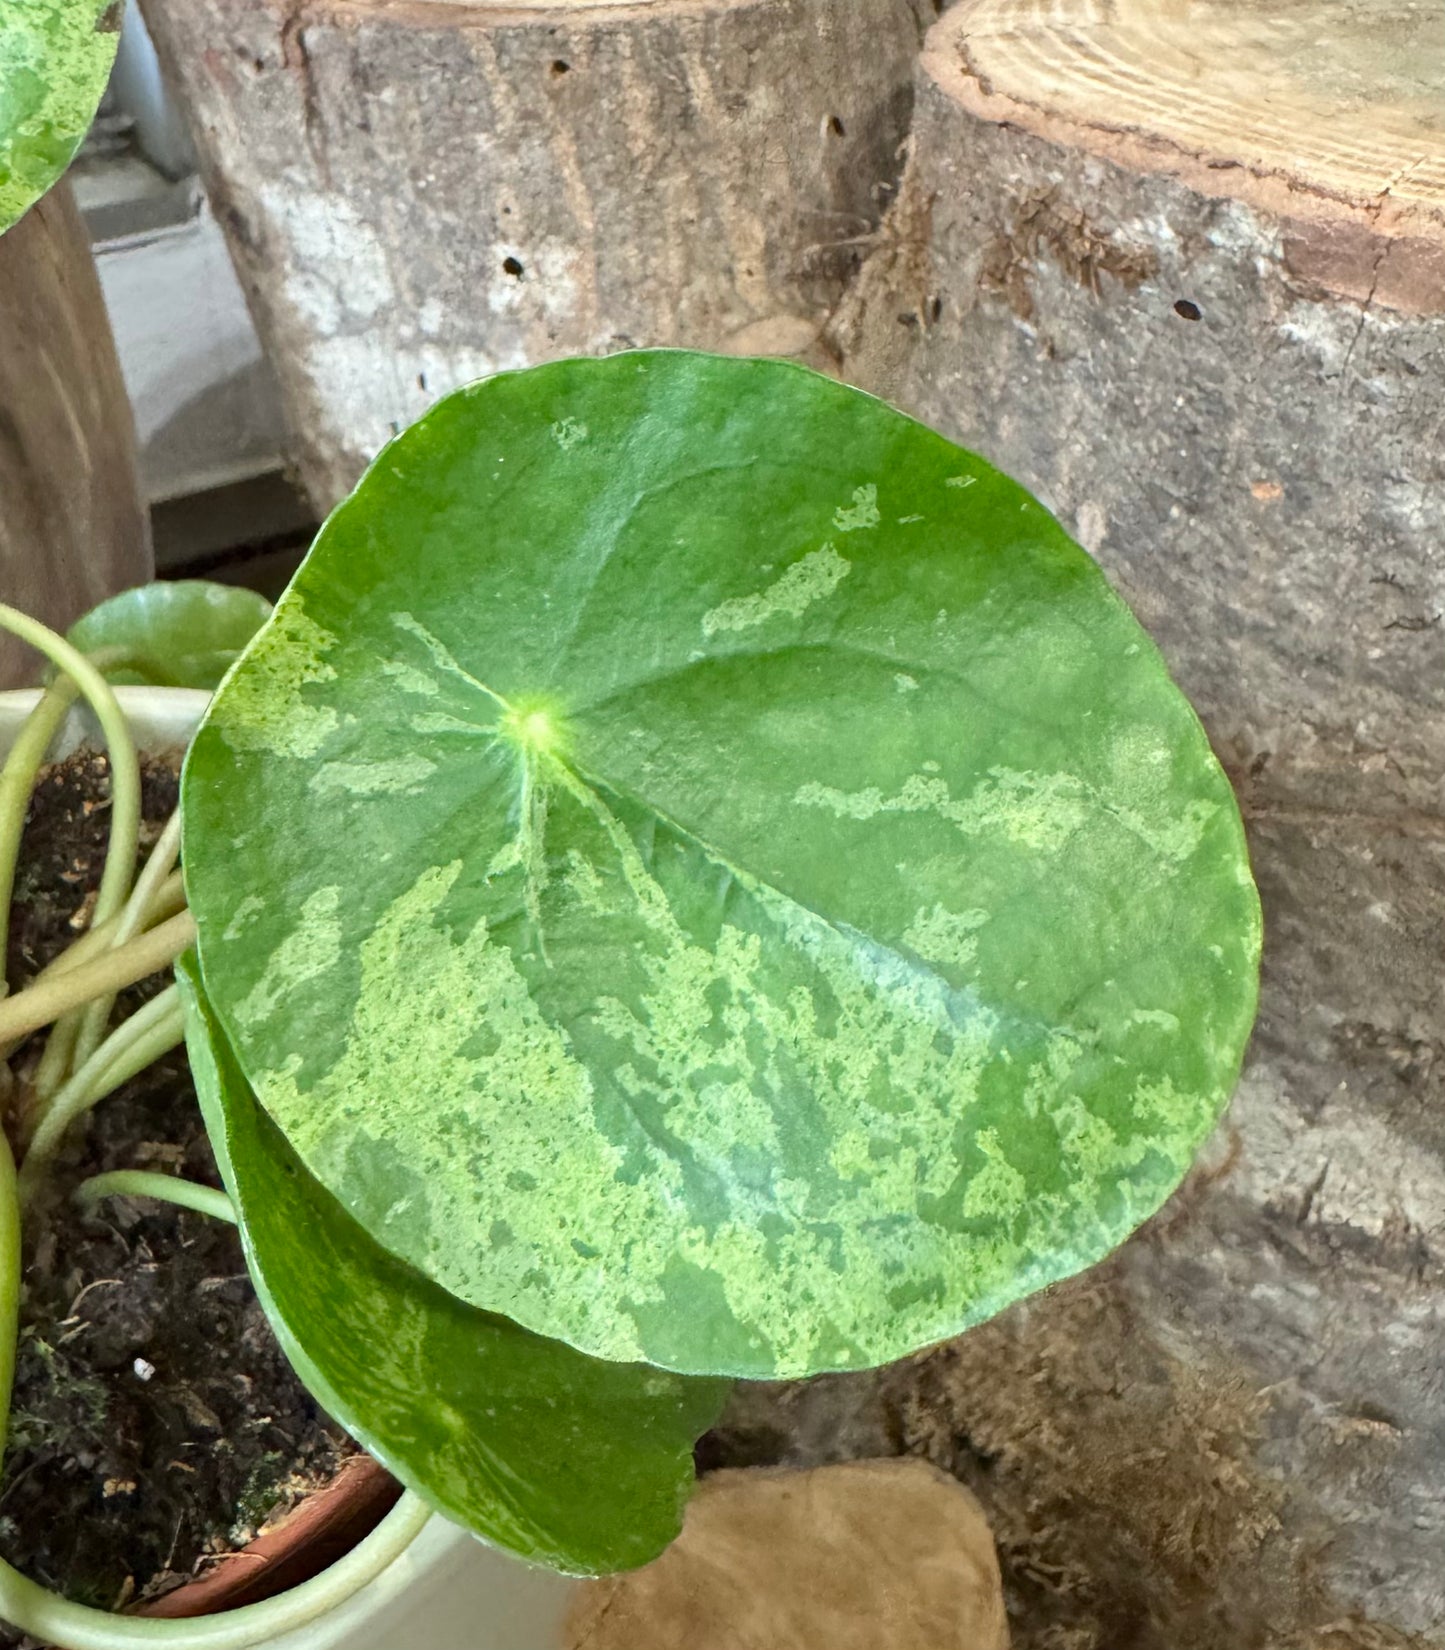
418,195
73,528
1326,114
866,1555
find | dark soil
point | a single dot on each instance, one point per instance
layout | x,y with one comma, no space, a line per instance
156,1422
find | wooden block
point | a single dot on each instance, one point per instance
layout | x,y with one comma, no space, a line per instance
872,1555
73,528
420,194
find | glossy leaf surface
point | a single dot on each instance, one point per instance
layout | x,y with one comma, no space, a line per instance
705,867
581,1465
178,632
55,58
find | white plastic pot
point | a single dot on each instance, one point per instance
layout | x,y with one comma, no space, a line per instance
161,719
448,1591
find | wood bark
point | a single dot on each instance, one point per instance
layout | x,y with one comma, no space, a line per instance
1207,326
420,194
73,526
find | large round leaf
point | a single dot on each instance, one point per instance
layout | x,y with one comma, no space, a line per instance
173,632
55,58
581,1465
705,867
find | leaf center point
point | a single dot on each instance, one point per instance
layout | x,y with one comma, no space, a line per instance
534,727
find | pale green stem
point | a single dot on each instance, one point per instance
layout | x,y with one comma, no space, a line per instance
53,1620
132,916
54,1067
164,1188
55,1061
17,783
46,1000
152,879
9,1280
125,801
134,1044
170,898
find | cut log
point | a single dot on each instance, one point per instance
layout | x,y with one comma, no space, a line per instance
1180,268
73,528
420,194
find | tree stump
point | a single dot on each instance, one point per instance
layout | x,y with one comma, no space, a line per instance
1180,268
73,527
417,195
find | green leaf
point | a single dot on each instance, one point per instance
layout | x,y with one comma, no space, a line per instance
581,1465
55,58
178,633
705,867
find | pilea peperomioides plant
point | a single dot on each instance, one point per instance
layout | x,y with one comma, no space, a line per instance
698,878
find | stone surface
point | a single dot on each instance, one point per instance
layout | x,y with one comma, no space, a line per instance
875,1555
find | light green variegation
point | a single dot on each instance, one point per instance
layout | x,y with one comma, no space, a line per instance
174,632
704,867
581,1465
55,58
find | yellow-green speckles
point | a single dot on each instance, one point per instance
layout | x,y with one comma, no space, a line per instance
997,1191
864,804
311,949
442,721
55,57
1174,839
1038,811
401,776
960,481
409,679
569,433
442,656
266,707
947,939
539,1107
1156,1017
861,513
809,580
244,915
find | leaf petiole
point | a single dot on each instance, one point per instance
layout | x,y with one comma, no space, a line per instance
128,923
124,764
48,999
163,1188
142,1039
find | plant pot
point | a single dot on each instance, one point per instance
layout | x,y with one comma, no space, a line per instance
448,1591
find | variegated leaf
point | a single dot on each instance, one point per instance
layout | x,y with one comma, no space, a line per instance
701,865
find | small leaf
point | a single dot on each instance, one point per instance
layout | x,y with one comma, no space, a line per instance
55,58
176,633
581,1465
705,867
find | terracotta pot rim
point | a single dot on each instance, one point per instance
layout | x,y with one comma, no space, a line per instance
304,1541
